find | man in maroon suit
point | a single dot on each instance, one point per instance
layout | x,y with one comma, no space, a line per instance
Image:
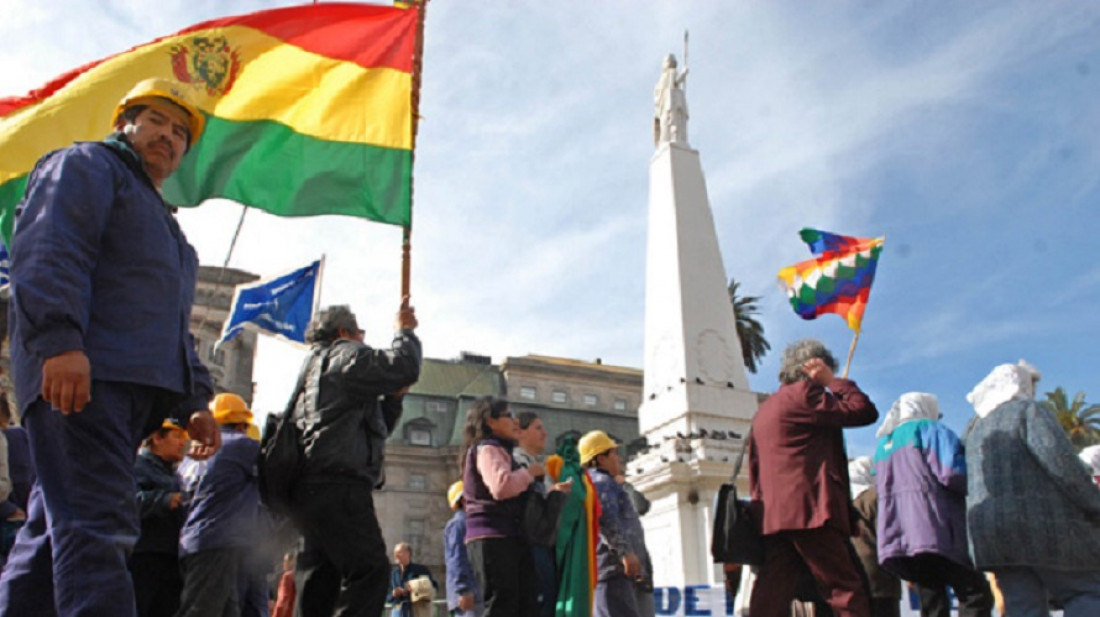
798,474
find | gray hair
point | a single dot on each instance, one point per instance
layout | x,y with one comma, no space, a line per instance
326,326
799,353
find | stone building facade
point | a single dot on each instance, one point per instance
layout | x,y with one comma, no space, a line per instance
231,364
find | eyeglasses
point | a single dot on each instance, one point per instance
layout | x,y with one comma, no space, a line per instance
506,414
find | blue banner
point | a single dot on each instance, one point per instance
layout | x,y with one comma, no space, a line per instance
281,306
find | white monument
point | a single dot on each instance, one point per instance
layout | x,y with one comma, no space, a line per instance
696,404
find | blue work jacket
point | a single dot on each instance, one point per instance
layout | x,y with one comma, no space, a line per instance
223,502
99,264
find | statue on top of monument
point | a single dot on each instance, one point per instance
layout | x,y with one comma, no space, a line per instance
671,112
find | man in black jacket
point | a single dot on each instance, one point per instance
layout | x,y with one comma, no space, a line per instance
348,402
154,565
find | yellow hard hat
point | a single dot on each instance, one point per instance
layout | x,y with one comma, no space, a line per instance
171,424
146,90
228,408
253,432
593,444
454,494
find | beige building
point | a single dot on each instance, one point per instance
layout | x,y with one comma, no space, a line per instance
231,364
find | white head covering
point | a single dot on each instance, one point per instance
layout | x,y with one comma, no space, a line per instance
910,406
1091,457
859,473
1007,382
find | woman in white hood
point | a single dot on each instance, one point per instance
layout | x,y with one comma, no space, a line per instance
1032,510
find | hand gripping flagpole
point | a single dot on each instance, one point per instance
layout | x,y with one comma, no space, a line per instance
418,66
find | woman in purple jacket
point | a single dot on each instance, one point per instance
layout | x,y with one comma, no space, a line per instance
920,474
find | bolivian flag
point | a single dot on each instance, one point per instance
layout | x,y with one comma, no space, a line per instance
578,535
309,111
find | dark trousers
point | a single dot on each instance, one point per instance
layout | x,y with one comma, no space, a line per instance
826,553
504,570
933,574
70,556
342,570
546,570
885,607
210,583
157,583
616,597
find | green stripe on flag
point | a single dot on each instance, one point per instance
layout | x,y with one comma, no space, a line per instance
11,193
268,166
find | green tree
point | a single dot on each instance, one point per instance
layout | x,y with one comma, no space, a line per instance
749,330
1080,421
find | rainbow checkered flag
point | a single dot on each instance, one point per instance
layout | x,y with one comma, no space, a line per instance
838,280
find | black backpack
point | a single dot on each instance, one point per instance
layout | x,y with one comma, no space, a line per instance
279,464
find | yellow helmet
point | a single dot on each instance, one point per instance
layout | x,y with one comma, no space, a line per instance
155,88
593,444
172,424
228,408
454,494
253,432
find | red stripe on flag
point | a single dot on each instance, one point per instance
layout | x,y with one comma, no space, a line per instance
371,36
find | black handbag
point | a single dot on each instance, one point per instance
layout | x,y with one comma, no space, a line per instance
736,536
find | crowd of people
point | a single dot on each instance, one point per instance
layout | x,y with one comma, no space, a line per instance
1007,515
131,490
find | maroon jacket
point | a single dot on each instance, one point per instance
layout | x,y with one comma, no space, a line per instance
798,468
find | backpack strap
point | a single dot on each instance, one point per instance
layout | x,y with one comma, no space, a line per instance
741,456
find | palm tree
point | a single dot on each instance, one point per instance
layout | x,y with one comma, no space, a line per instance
1081,422
749,330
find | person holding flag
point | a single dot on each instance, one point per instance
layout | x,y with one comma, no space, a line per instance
102,285
798,479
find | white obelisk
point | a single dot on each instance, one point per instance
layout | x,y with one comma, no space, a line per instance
696,402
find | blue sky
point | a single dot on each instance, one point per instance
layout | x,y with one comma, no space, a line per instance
967,133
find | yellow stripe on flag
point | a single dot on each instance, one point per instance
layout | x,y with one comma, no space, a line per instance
313,95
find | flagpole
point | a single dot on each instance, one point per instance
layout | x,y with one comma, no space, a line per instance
851,352
418,66
225,265
320,275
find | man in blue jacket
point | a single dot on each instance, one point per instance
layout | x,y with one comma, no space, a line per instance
463,596
222,515
102,285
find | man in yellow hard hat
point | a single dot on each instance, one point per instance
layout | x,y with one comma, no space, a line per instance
463,596
621,551
102,285
222,517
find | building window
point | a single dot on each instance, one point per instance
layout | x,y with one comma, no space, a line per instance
437,406
590,400
414,535
420,437
527,392
620,404
558,396
418,432
418,482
